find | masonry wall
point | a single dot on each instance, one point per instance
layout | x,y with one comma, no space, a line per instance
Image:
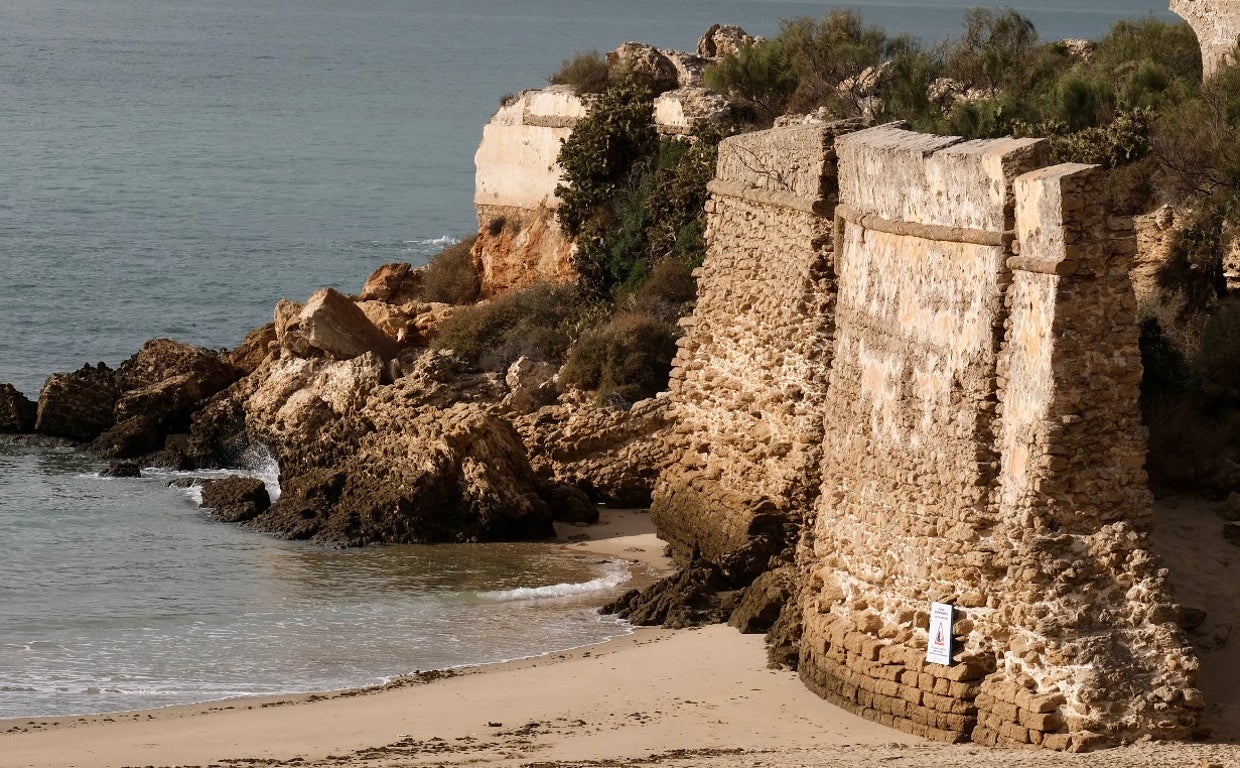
923,352
1216,22
750,375
982,448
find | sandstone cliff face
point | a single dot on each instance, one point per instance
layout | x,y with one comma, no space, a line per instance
519,239
964,378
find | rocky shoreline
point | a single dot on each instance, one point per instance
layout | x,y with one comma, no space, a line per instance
379,438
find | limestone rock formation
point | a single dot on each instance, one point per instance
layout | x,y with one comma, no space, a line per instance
235,499
423,459
17,412
393,283
334,324
648,64
723,40
684,110
78,405
158,390
613,455
420,474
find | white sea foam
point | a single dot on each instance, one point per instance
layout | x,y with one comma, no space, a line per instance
617,573
262,464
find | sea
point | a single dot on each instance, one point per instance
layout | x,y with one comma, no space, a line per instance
171,168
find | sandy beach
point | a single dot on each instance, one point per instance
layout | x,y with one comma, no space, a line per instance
673,698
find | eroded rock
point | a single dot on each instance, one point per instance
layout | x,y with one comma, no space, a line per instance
17,412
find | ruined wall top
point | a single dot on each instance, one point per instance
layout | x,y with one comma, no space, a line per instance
1216,22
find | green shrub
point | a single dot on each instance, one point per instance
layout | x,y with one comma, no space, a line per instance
1188,441
1195,265
629,357
669,291
597,158
536,322
758,77
828,58
450,276
993,51
587,72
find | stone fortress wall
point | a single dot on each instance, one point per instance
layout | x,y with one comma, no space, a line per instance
953,324
750,373
1216,23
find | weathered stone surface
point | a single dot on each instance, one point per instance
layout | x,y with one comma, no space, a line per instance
688,598
647,63
17,412
684,110
396,323
1217,23
333,323
78,405
421,475
964,378
122,469
161,386
235,499
613,455
723,40
531,385
519,240
569,504
750,374
394,283
252,351
764,600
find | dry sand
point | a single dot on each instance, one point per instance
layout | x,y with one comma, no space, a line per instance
686,698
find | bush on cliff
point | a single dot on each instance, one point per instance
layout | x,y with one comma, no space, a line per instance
628,357
450,276
587,72
537,322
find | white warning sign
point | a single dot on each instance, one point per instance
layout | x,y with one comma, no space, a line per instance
939,649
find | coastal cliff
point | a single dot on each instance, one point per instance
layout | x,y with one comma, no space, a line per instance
911,376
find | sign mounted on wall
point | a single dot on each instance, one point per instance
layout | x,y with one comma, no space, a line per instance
939,649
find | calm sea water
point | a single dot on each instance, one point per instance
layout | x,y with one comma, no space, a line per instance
171,168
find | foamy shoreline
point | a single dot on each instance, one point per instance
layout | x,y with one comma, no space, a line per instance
701,698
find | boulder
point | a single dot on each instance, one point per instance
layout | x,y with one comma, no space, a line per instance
393,284
648,64
614,455
17,412
333,323
763,601
417,475
684,110
690,597
723,40
254,349
161,386
122,469
78,405
400,326
162,359
235,499
690,68
287,325
531,385
571,505
430,317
